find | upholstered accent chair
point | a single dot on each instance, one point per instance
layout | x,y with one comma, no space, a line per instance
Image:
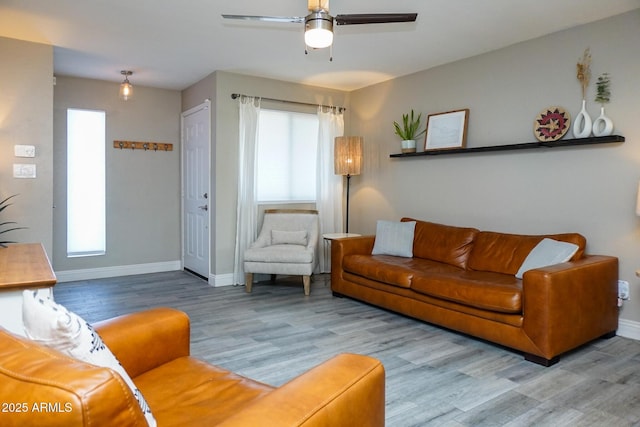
286,244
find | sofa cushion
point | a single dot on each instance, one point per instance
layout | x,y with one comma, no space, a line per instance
483,290
290,254
394,238
190,392
392,270
444,243
547,252
52,325
505,253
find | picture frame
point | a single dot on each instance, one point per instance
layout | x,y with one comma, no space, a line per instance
446,131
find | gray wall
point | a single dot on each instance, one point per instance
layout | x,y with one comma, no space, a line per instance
218,87
143,188
590,190
26,97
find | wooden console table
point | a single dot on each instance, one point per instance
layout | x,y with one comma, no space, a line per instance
22,266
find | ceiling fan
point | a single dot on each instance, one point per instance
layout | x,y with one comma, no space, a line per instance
318,24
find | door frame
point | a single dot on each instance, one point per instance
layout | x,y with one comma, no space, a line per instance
206,105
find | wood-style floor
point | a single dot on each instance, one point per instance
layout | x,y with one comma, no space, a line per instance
435,377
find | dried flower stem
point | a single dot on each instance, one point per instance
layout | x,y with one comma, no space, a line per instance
584,71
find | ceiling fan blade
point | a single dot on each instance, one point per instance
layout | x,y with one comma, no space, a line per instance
374,18
286,19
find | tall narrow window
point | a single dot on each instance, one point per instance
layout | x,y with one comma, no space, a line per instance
286,157
86,218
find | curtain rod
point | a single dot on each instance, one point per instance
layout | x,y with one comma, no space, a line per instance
341,109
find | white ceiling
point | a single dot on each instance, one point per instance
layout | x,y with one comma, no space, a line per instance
175,43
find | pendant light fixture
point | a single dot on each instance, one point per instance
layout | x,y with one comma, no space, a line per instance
126,89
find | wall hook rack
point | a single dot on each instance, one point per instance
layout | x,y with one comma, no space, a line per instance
146,146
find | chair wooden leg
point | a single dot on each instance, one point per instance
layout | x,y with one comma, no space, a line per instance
248,278
306,281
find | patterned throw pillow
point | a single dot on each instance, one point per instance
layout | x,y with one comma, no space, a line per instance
52,325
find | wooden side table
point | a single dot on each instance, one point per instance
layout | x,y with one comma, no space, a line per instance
22,266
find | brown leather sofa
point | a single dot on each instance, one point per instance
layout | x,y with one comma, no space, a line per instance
42,387
464,279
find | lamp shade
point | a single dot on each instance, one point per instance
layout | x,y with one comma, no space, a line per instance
126,89
348,155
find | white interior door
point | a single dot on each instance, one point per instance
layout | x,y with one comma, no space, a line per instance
195,189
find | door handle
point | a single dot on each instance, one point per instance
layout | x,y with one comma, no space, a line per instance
204,207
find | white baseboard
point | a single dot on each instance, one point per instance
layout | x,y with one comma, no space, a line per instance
221,280
121,270
628,329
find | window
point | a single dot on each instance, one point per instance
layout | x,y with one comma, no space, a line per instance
86,216
286,157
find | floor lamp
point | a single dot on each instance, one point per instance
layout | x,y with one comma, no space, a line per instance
348,161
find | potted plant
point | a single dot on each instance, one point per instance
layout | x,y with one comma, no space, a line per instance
409,131
3,205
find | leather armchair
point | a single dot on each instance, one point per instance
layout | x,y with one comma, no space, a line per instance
40,386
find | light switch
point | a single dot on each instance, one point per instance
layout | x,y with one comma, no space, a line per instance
24,150
24,170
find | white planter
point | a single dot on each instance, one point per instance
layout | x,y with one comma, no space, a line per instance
602,126
582,123
409,146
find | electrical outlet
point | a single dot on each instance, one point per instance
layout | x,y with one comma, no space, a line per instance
24,170
24,150
623,289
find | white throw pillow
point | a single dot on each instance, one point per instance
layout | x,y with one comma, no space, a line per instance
547,252
394,238
52,325
289,237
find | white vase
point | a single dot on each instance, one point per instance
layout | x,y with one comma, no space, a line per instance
409,146
582,123
602,126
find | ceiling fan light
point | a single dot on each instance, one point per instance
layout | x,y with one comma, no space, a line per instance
318,32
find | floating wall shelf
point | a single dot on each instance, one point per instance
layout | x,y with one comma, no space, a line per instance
522,146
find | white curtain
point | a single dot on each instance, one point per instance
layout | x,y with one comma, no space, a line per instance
247,207
329,191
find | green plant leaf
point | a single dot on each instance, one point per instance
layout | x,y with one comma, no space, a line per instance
410,126
603,91
3,205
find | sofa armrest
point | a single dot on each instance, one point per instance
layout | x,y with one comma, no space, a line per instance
571,303
347,246
347,390
145,340
34,378
361,245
